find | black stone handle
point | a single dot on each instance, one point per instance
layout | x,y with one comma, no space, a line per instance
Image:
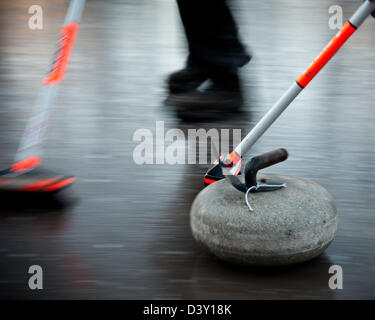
260,162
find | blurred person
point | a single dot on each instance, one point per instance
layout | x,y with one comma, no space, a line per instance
215,53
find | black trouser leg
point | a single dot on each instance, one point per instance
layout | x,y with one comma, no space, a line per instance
212,34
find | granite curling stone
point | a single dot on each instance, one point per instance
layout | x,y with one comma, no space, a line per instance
289,225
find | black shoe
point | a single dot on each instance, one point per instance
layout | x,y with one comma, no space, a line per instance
187,79
224,92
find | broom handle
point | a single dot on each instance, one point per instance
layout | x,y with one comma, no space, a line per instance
295,89
29,153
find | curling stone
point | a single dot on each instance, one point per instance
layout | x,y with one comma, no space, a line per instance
292,220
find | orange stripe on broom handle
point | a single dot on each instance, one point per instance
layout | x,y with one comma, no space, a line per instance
329,51
65,47
26,164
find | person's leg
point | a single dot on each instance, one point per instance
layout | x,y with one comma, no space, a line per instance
215,53
212,34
